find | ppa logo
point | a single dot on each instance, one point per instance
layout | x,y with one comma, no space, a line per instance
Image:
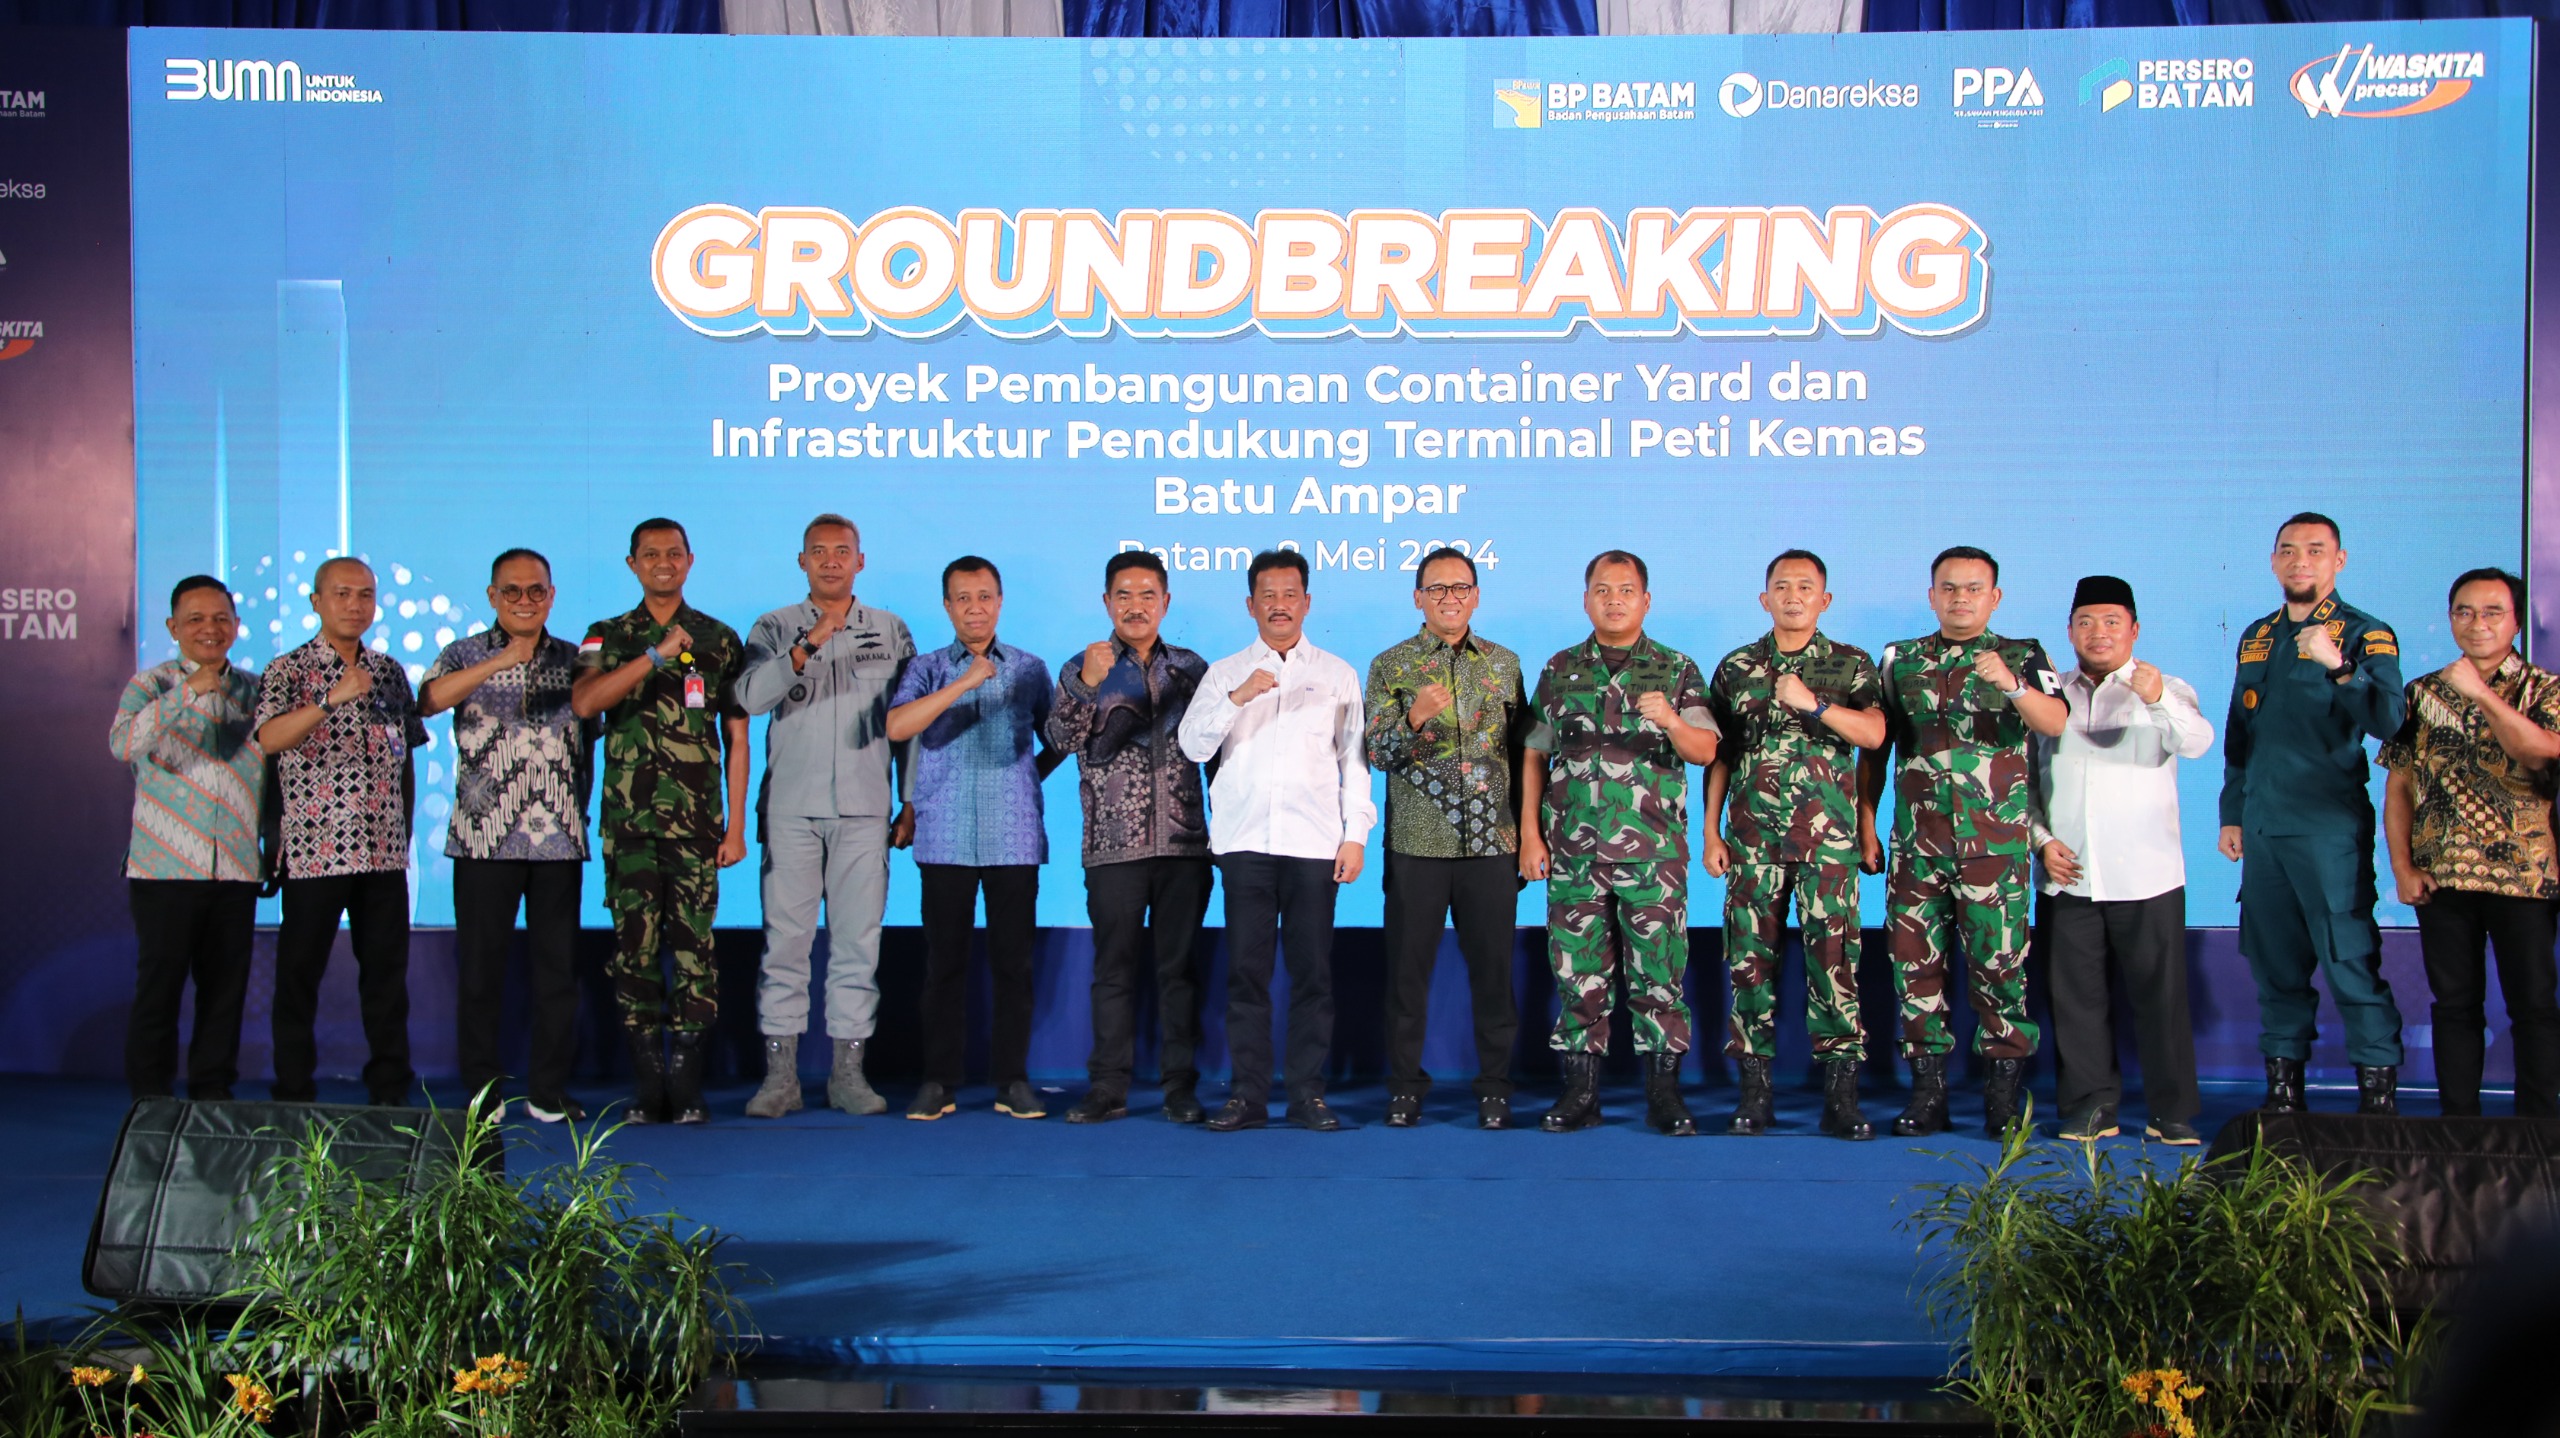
1996,95
2357,84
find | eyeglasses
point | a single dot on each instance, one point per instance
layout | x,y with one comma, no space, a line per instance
513,593
1447,591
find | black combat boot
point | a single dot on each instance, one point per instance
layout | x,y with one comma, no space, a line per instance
1927,1111
1840,1116
2378,1090
1662,1106
2284,1087
648,1073
1755,1112
2000,1096
1580,1105
684,1078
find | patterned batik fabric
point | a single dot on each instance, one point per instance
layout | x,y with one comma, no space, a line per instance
1960,747
1616,789
345,796
1793,795
521,756
1141,795
1452,786
198,774
2481,819
662,760
977,789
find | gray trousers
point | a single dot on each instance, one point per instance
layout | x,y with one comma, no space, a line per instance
844,862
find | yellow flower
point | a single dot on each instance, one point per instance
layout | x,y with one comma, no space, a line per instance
138,1376
87,1377
465,1381
2192,1391
251,1398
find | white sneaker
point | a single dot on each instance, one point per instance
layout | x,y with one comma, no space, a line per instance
569,1108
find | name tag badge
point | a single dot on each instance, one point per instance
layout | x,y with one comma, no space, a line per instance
693,691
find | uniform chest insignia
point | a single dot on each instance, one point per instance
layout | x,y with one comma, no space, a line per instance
2256,651
2263,631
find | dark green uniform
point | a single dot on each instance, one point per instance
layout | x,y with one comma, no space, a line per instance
2295,783
1616,818
1960,844
663,811
1791,821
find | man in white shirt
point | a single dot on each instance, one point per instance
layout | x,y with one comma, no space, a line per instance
2105,822
1289,814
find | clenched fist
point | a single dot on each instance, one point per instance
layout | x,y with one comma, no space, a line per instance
1098,660
2312,642
1255,685
2146,682
1791,692
1655,705
1994,670
1428,702
2464,678
353,685
981,669
676,642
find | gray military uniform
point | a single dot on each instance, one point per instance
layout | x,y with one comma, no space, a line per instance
825,806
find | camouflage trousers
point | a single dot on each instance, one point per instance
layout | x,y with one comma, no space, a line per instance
1755,940
1928,904
1597,911
663,893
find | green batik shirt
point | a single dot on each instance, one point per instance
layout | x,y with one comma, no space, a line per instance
1959,747
1793,795
662,772
1453,786
1616,790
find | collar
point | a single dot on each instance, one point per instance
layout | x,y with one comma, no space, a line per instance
1123,649
641,618
2121,674
1772,654
1258,651
2321,612
1433,644
997,650
1987,638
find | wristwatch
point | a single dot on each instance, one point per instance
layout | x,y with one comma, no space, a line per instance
1820,707
656,659
2013,693
2345,671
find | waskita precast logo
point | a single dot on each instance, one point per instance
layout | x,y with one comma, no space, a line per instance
2358,83
1744,94
19,336
2200,84
263,82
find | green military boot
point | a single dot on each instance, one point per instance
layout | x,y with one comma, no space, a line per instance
1756,1111
781,1091
847,1089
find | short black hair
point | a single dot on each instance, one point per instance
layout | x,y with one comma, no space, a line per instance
194,582
1445,552
661,522
1274,559
520,553
2314,517
971,564
1644,576
1135,559
2514,584
1807,555
1964,551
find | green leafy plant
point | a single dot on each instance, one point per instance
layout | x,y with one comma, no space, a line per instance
2075,1283
386,1299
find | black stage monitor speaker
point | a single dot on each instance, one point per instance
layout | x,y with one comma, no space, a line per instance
2450,1189
183,1184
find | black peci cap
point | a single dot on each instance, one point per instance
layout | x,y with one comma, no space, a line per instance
2104,589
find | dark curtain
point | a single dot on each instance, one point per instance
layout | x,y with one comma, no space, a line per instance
2075,14
664,17
1328,19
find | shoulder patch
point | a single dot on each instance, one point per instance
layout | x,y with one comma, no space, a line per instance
591,644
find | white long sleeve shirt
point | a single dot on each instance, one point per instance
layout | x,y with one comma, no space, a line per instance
1292,778
2107,787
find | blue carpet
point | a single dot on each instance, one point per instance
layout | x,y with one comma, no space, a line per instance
985,1241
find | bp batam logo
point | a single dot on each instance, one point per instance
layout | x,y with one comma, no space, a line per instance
1518,104
1533,104
2359,83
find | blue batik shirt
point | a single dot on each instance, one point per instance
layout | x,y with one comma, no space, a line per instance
977,778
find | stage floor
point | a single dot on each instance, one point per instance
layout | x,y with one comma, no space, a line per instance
981,1241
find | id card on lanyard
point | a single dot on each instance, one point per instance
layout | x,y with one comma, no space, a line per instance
693,691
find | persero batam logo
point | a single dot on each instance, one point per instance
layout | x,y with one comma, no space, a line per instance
2357,84
1518,104
1743,95
264,81
1996,96
1730,271
19,336
1619,100
21,104
2173,85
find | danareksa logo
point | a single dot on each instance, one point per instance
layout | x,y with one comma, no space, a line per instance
2358,84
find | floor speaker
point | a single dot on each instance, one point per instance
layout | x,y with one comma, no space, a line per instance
188,1178
2449,1190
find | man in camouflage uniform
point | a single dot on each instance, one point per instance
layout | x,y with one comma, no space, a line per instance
664,676
1619,718
1958,706
1794,707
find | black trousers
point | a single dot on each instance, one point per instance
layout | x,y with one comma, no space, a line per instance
376,907
1270,897
2455,929
2144,940
188,928
1142,908
486,893
1480,897
950,901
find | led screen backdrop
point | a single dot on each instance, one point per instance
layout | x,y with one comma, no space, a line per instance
2101,301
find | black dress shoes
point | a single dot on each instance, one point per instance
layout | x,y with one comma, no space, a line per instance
1181,1105
1235,1113
1098,1106
1493,1111
1316,1116
1404,1110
